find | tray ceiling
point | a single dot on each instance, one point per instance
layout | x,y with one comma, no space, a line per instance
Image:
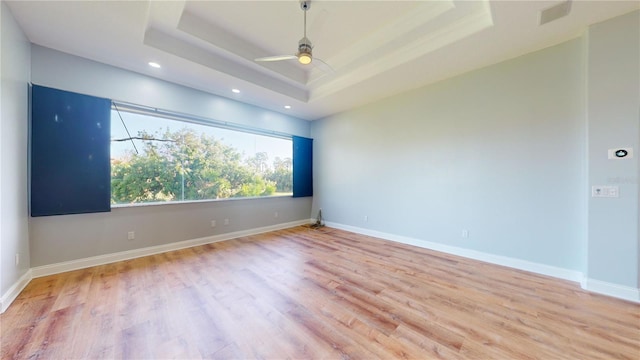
375,48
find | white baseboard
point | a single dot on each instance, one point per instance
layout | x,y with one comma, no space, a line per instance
40,271
614,290
136,253
557,272
14,291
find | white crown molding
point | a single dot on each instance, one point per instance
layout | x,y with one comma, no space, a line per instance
378,57
221,38
430,26
171,44
392,34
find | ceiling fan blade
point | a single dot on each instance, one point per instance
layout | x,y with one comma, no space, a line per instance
322,65
277,58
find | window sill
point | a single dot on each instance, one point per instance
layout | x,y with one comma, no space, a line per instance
160,203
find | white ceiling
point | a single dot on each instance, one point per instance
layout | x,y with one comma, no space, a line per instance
376,48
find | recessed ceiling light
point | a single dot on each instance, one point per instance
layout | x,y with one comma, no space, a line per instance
287,106
235,91
154,64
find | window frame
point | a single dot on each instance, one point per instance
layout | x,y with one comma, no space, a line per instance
125,107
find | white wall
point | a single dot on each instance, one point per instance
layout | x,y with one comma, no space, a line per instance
58,239
614,121
497,152
15,73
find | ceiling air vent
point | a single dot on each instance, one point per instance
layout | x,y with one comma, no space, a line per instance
555,12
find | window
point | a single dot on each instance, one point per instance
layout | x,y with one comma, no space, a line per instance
82,162
157,158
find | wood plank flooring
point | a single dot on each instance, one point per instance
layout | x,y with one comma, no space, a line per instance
304,293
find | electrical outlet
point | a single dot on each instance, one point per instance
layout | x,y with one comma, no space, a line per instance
275,214
366,218
213,223
465,233
131,235
226,221
17,259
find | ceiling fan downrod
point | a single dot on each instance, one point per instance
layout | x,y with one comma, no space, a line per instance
304,45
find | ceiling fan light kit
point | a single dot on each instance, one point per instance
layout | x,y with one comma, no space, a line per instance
304,58
304,51
305,47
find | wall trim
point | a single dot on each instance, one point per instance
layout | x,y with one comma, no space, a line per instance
592,285
557,272
7,298
610,289
596,286
57,268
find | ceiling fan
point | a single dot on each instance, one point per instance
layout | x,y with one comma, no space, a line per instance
304,54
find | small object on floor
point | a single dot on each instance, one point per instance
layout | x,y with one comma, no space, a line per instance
319,221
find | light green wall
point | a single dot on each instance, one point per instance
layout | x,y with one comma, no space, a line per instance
497,152
614,121
508,153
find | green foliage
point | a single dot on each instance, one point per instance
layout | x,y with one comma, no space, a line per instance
185,165
258,187
282,175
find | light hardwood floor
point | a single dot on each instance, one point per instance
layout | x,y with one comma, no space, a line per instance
303,293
